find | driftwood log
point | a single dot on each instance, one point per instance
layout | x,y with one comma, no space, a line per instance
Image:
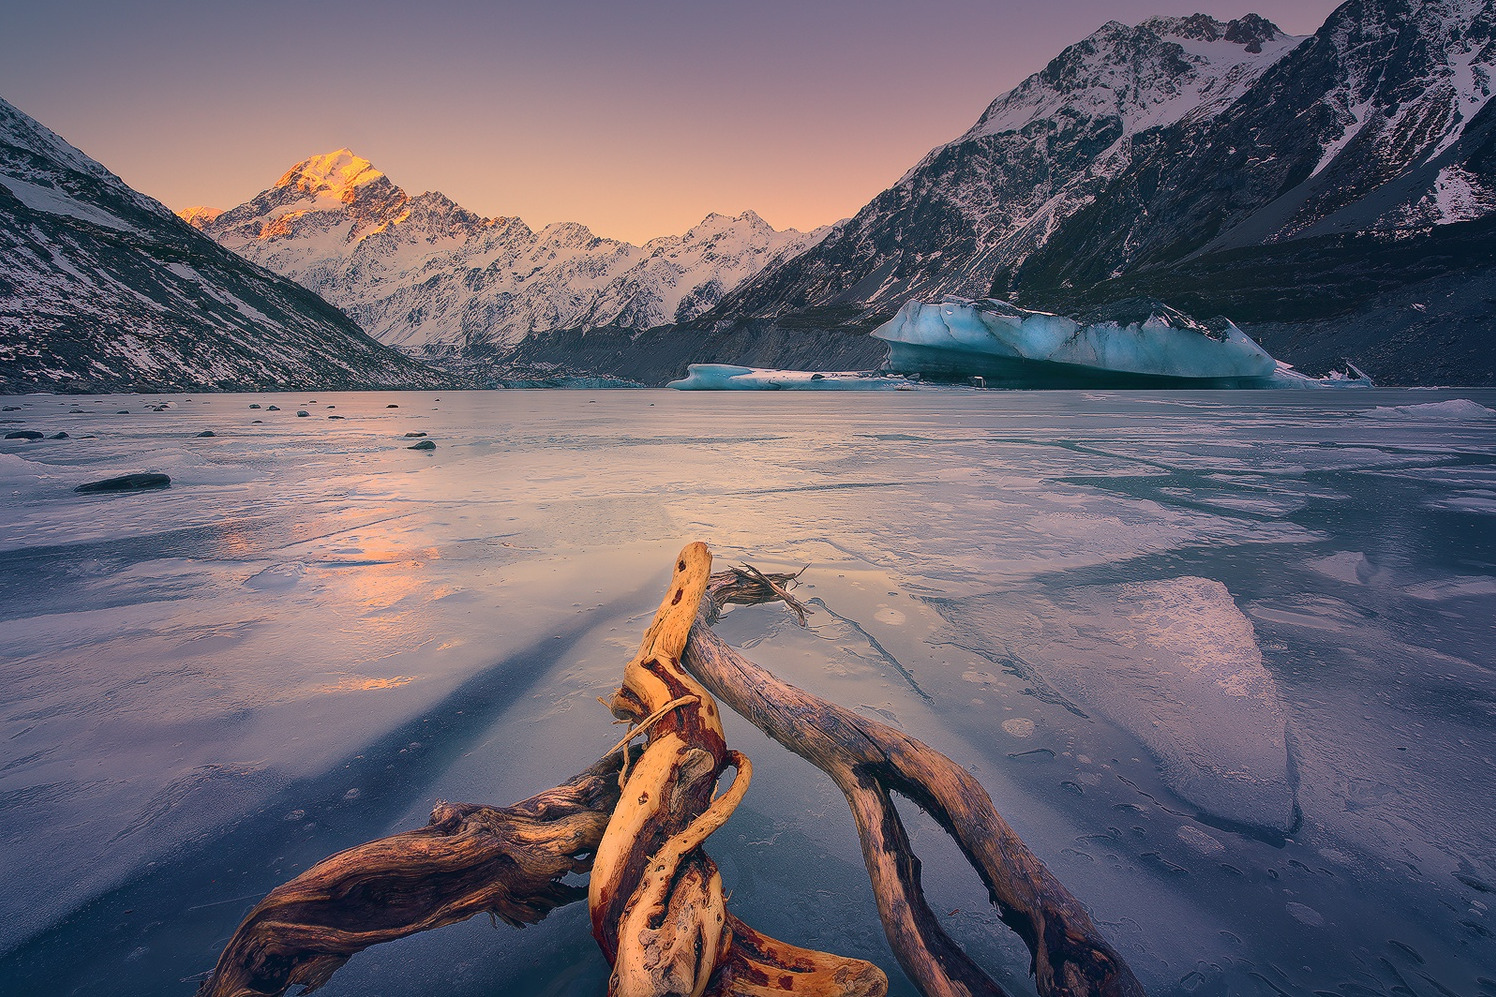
868,760
470,859
656,899
637,820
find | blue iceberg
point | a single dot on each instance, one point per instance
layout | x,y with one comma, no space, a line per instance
1139,342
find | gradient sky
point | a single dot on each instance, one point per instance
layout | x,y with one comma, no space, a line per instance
636,119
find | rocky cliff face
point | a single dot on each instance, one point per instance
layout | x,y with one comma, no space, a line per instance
104,289
424,274
1379,123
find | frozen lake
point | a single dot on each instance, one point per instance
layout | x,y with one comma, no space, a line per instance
1224,660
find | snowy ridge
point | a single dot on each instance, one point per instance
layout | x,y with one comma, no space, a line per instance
102,288
1197,67
984,202
423,273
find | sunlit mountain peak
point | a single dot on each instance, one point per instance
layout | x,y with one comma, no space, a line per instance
337,172
199,215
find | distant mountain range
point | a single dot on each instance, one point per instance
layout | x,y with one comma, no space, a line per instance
427,275
104,289
1333,194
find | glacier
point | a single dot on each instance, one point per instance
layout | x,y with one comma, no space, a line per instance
1139,342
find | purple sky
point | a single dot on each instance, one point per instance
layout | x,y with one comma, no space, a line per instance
636,119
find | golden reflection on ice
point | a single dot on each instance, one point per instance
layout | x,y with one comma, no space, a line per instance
361,684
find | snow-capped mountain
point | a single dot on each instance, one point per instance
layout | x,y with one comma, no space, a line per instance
424,273
103,288
1380,123
1336,192
973,209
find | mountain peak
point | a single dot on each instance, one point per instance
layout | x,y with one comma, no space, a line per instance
198,215
337,172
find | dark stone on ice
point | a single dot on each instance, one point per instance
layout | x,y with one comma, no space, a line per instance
423,445
413,436
123,411
10,408
127,483
75,411
206,433
254,404
273,408
302,413
59,436
257,422
24,434
392,405
335,417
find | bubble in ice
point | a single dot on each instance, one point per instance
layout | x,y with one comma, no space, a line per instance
1018,727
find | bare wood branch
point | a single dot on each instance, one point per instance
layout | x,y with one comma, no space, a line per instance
468,860
867,760
656,898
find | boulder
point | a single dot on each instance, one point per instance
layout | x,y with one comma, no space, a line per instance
144,481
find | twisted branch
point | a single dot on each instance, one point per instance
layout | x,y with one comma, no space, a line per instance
868,760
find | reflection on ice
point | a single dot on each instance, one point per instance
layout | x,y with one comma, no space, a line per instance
1149,623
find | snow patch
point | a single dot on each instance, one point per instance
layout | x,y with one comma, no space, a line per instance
52,201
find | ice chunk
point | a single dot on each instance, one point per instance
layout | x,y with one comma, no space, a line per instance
1136,343
731,377
1453,410
1176,664
1352,377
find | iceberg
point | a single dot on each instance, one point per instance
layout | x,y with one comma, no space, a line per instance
1139,342
731,377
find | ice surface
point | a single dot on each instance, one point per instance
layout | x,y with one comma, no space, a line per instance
731,377
1175,663
316,633
1020,348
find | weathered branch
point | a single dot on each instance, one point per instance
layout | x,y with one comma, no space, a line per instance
656,899
867,760
469,859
